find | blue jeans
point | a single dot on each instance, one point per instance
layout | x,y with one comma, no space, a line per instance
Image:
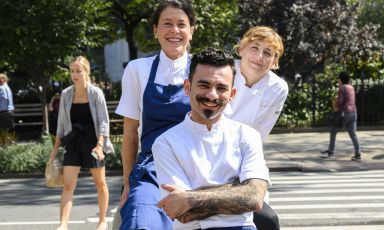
349,122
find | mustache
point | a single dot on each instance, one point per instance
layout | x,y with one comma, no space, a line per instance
203,99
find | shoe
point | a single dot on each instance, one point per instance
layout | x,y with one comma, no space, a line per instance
61,228
103,227
327,154
356,159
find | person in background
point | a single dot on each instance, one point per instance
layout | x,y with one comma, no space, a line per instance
53,109
152,101
6,105
83,130
260,94
345,103
211,169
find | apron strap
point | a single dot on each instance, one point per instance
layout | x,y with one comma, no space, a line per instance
155,64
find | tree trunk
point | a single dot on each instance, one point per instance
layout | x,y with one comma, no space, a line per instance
44,109
131,45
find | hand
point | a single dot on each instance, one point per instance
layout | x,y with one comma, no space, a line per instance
99,150
176,203
53,155
124,195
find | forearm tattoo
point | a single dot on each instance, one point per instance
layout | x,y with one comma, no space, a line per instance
247,196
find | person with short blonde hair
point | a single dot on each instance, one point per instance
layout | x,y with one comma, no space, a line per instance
260,93
83,130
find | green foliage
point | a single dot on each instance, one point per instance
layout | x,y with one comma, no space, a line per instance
373,112
6,138
25,157
41,34
216,24
32,156
371,11
309,103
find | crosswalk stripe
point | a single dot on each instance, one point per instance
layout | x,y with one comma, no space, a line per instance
346,215
327,181
328,206
349,227
329,201
328,191
315,185
324,198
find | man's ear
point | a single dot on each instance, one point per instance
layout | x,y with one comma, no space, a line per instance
187,87
233,94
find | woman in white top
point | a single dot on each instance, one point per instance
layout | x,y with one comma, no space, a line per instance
153,98
260,94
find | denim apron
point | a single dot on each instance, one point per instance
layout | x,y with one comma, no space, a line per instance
163,108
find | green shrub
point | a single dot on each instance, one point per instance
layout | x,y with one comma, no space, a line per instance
24,157
32,156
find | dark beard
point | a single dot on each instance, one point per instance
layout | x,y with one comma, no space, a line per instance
207,113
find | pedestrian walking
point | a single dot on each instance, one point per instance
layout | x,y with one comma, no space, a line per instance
83,130
346,105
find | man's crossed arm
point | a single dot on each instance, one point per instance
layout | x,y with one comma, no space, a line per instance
201,203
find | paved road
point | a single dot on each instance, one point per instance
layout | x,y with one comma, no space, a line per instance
329,200
28,204
304,201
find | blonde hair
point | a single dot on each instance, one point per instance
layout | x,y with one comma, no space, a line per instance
4,76
84,63
263,33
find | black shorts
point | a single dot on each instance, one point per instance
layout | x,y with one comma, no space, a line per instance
78,151
82,159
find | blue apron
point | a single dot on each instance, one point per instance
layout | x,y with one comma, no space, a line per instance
163,108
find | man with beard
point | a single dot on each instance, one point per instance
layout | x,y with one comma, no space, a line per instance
211,170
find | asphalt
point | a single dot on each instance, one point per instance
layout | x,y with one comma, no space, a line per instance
301,151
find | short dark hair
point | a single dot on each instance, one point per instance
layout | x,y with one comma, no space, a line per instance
344,77
213,57
183,5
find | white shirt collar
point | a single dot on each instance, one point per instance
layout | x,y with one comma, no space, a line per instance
179,63
202,128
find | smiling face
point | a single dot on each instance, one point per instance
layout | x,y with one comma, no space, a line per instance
257,56
79,74
210,91
173,31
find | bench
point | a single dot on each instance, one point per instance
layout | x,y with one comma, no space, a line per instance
32,114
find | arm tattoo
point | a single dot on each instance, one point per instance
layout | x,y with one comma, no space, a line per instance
247,196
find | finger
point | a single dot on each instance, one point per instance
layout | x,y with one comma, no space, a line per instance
168,187
161,203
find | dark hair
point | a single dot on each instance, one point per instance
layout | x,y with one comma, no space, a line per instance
184,5
213,57
344,77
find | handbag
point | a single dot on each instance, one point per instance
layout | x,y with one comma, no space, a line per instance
54,174
335,119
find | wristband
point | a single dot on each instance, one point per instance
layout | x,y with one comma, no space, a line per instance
100,144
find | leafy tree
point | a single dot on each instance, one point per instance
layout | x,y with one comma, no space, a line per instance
314,32
38,36
371,11
131,14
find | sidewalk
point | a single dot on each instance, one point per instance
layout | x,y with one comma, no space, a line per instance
301,151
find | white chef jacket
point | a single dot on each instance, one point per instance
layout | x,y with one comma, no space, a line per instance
260,105
190,156
135,78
